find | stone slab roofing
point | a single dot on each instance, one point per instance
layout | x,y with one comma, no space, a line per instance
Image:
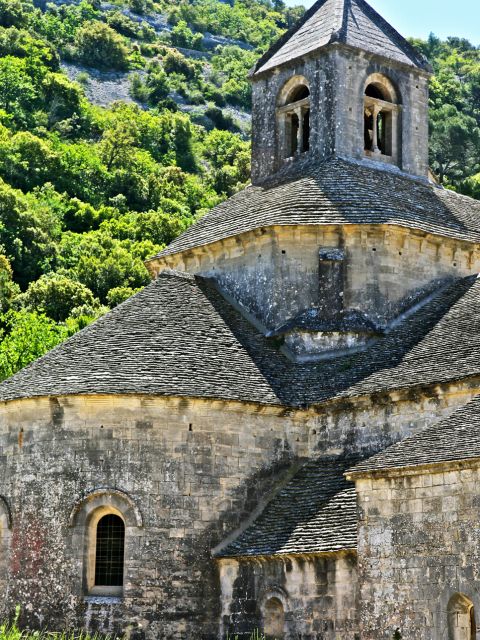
455,438
350,22
316,512
180,337
337,192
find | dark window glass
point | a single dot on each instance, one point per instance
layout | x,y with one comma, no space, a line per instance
294,134
110,551
306,131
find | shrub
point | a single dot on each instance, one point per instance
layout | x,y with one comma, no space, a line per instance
98,45
13,13
119,294
56,296
141,6
138,89
175,62
157,85
122,24
183,36
220,120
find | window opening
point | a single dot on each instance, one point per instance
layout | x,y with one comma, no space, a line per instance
294,127
306,130
110,547
294,120
380,121
274,619
461,618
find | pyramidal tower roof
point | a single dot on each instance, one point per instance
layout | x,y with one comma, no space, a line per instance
350,22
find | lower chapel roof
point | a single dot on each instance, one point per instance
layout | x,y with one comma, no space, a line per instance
337,192
315,512
453,439
180,337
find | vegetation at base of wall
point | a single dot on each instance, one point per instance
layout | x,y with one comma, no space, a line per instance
254,635
87,193
11,631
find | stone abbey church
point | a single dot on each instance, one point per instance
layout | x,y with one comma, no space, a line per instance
280,432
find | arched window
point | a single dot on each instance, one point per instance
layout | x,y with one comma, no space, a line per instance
105,526
109,552
381,119
293,115
461,618
273,619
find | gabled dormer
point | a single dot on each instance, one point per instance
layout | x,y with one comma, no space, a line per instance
342,83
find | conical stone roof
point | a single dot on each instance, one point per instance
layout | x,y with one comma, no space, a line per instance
350,22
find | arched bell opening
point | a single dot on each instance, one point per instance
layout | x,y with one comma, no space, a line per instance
293,115
382,122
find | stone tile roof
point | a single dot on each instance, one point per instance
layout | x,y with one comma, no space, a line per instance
350,22
316,512
180,337
337,192
455,438
169,339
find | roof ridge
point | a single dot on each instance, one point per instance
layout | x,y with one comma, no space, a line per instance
420,59
175,273
344,22
271,51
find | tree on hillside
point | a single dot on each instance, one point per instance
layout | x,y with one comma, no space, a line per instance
98,45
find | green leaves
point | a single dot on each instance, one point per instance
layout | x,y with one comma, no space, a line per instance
98,45
454,143
455,110
26,336
57,296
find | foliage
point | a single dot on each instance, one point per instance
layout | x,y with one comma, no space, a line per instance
232,65
99,45
454,110
57,296
9,290
183,36
27,335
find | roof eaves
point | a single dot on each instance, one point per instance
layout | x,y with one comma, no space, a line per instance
286,554
354,474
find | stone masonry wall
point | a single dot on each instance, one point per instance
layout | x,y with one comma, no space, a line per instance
194,471
418,547
318,594
274,273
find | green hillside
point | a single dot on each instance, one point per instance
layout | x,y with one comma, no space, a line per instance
122,122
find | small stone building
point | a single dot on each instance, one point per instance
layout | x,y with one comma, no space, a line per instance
214,456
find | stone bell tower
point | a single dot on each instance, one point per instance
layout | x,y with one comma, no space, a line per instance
341,83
